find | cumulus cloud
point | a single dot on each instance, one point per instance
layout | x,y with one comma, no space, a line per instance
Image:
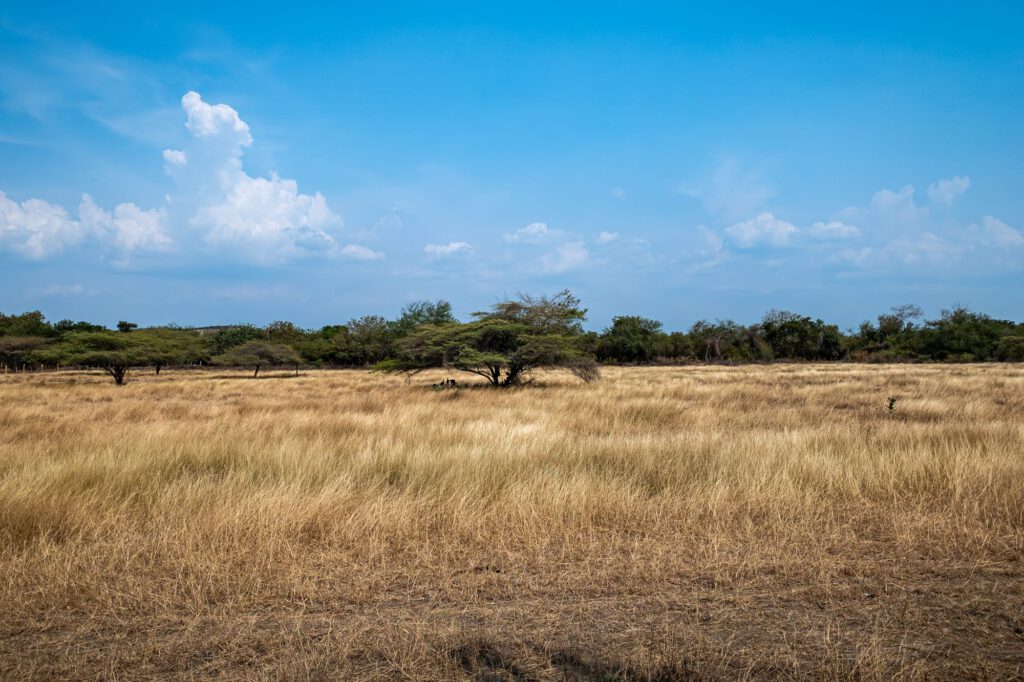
36,228
945,192
534,233
607,237
765,228
994,232
128,227
566,257
214,203
208,120
451,248
266,219
834,229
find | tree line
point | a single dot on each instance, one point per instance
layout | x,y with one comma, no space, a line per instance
506,343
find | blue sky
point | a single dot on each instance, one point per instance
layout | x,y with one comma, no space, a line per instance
217,162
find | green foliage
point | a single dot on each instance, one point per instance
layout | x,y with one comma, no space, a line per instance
27,324
114,352
517,335
725,340
20,350
798,337
1010,349
66,326
229,337
257,354
504,345
421,313
172,346
370,339
631,339
962,335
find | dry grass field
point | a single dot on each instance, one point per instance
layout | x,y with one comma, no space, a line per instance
682,523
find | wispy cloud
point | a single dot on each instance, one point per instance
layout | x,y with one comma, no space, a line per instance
449,249
765,228
730,191
534,233
566,257
357,252
945,192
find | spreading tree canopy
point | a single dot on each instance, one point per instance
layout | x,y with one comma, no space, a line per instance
505,344
256,354
115,352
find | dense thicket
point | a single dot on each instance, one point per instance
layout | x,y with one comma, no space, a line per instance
513,337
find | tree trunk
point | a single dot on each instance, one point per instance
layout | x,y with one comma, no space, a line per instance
158,370
118,373
512,378
257,372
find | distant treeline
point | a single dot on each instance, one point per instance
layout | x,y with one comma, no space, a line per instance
28,340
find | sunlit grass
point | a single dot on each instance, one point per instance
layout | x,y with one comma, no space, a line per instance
711,519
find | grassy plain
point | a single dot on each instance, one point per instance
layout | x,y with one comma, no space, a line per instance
681,523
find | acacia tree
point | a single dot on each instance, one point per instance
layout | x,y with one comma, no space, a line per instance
257,354
113,352
503,345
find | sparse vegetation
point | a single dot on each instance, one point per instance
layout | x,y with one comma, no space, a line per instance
702,522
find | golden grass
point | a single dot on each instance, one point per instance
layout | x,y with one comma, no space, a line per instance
682,523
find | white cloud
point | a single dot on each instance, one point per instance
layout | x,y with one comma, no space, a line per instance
261,219
899,206
36,228
834,229
207,120
565,257
945,192
442,250
924,248
534,233
175,157
607,237
994,232
763,229
128,228
357,252
265,219
618,193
